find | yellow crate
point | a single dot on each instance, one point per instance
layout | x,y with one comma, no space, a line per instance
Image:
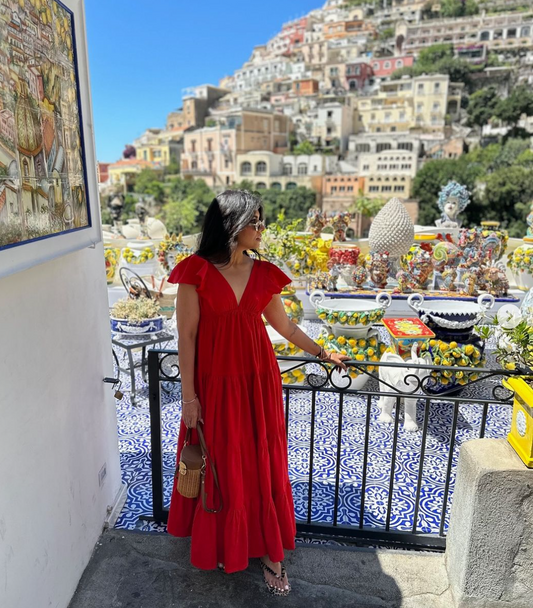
521,435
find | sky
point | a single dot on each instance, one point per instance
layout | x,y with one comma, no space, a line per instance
142,53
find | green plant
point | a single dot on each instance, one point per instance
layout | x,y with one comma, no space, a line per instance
279,238
368,207
135,311
513,335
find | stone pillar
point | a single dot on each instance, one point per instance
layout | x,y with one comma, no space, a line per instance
489,554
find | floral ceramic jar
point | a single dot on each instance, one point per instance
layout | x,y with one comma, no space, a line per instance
291,372
292,304
521,264
444,353
140,258
112,258
172,251
369,348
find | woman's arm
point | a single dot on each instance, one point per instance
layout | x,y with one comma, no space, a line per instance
277,317
188,315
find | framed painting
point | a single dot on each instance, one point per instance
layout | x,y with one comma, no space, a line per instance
48,182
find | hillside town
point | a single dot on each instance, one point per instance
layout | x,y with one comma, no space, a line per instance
335,103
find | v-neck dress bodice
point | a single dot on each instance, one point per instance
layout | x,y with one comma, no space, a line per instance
237,380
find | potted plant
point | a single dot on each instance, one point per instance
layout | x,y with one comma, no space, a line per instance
136,316
513,333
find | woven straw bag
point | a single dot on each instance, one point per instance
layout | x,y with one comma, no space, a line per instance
190,472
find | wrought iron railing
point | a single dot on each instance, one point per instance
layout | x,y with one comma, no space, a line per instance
483,392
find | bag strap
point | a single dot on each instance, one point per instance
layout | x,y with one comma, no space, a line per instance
207,457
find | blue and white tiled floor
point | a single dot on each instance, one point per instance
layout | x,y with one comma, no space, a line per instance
134,444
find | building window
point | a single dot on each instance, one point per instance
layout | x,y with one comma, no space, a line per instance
526,32
209,145
291,186
386,188
342,188
246,168
287,169
302,169
419,107
349,188
333,189
194,165
399,188
330,114
193,145
261,186
226,163
399,63
436,107
261,168
511,32
420,89
366,167
275,186
436,88
405,146
387,65
383,146
373,189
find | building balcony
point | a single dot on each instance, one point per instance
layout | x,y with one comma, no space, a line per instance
196,172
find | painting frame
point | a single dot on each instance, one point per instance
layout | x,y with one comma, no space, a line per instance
20,256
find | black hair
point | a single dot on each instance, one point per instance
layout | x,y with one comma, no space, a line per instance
228,214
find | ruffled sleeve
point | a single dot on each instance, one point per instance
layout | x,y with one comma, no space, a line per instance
277,279
191,271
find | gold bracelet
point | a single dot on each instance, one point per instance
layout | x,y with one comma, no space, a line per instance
191,401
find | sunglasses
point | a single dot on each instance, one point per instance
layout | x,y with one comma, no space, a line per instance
258,225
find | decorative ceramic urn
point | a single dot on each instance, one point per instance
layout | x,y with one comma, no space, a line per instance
392,230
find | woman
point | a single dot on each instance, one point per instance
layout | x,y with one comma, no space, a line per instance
231,382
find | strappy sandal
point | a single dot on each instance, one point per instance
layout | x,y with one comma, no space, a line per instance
272,588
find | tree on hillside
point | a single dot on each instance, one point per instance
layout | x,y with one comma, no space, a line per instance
173,167
386,33
438,59
306,147
508,194
458,8
368,207
481,106
245,184
519,103
294,203
180,216
434,175
149,182
180,189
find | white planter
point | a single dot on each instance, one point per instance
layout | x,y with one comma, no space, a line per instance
524,280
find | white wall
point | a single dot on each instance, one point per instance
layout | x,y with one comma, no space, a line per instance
57,427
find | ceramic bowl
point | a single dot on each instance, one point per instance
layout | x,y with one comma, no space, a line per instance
350,316
450,314
146,326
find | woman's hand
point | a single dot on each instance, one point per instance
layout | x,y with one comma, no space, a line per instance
191,413
336,359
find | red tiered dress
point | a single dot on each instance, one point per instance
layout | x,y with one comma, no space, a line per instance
237,380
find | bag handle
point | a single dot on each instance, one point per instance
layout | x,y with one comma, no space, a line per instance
207,457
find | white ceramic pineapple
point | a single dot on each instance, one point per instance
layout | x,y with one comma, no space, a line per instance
392,230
